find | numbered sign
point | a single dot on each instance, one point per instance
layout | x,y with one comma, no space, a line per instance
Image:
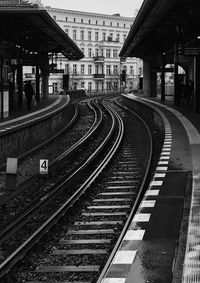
43,166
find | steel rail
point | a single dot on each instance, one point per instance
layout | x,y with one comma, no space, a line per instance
136,203
35,177
15,222
30,242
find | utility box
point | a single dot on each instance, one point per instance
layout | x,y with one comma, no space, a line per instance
11,173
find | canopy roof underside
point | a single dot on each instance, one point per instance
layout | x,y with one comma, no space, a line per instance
35,31
160,24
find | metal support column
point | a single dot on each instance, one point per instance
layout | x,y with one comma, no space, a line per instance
163,78
37,89
176,79
20,85
197,84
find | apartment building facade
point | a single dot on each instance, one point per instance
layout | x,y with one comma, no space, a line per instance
100,37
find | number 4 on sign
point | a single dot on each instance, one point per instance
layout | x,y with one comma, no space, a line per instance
43,166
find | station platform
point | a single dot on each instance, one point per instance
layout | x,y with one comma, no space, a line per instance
162,244
21,111
22,115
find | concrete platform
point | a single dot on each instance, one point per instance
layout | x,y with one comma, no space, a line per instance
162,244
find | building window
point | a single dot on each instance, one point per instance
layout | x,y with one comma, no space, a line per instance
89,35
115,86
74,69
89,21
108,86
108,69
33,70
82,69
74,20
102,69
115,69
82,34
96,36
118,37
54,17
111,36
82,85
66,68
111,24
117,24
103,36
96,86
96,22
90,52
96,69
89,86
124,25
74,34
108,51
140,71
66,30
124,37
81,21
96,52
89,69
66,19
115,53
131,70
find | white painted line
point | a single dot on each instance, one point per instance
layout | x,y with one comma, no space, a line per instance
167,142
134,235
166,148
156,183
160,175
164,157
124,257
141,217
163,162
148,203
113,280
165,153
152,193
161,168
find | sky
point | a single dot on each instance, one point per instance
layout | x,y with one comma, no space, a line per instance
126,8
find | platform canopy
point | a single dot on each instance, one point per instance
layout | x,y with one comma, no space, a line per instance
33,30
160,24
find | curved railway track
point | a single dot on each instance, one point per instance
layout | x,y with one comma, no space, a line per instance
105,199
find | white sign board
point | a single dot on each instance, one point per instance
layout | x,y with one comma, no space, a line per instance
43,166
11,166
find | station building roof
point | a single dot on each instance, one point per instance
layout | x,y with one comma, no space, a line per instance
33,29
160,24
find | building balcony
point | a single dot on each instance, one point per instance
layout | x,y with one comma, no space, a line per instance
99,76
99,59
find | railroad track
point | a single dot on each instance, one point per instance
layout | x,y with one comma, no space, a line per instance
34,183
46,199
103,211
